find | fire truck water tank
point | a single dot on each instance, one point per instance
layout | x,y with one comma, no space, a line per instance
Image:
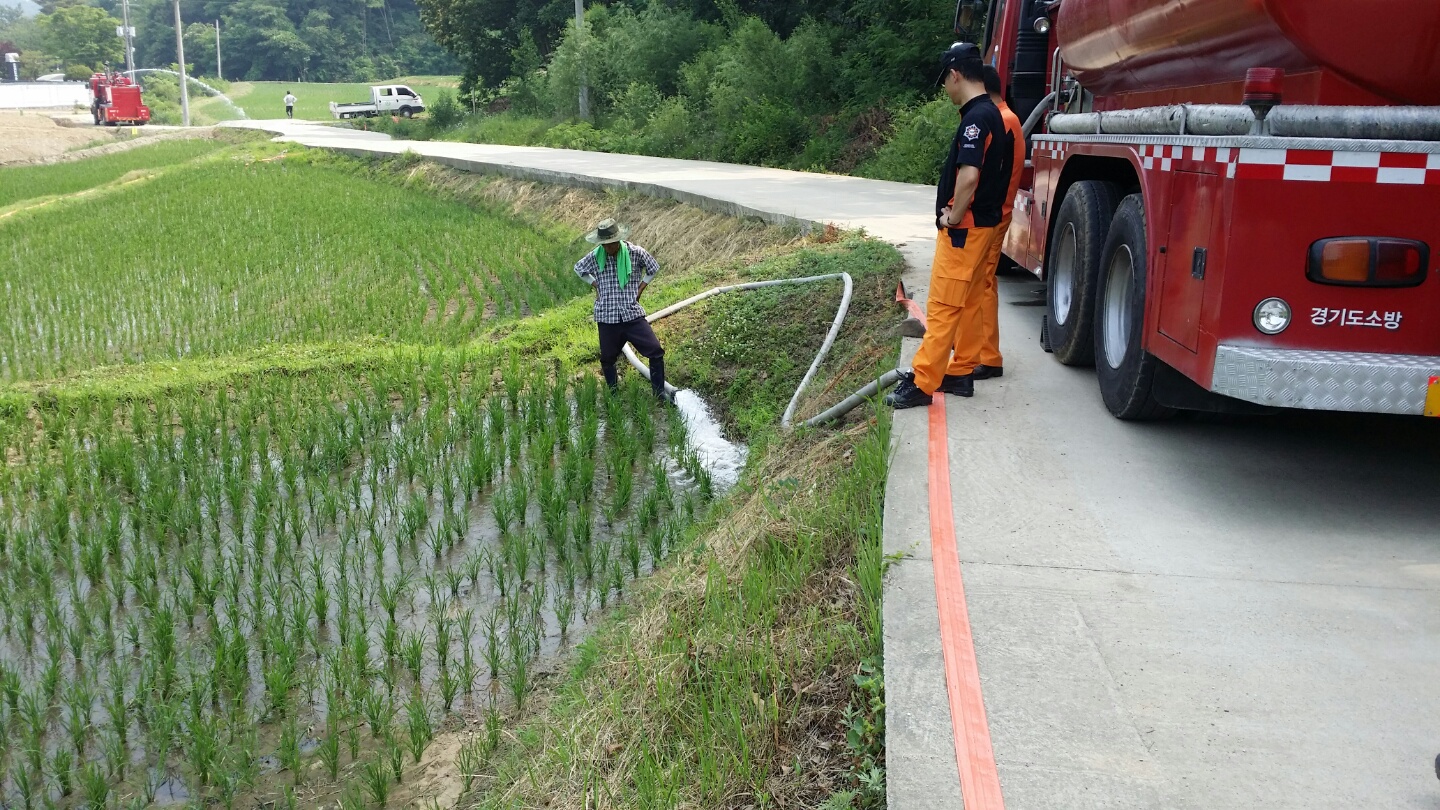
1389,47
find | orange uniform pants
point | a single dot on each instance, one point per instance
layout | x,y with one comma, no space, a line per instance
957,288
984,319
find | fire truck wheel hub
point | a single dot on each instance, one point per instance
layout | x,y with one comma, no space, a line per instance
1064,274
1117,312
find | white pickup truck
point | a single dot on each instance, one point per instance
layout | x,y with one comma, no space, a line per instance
385,99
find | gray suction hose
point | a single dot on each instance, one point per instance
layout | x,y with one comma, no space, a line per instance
833,413
856,399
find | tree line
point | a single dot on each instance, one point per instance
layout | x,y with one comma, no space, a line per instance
802,84
260,40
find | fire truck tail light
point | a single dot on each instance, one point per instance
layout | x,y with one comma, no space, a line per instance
1344,260
1398,263
1368,262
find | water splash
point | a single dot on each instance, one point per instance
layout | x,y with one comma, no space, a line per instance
203,86
723,459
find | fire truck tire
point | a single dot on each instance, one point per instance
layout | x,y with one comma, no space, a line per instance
1125,370
1073,266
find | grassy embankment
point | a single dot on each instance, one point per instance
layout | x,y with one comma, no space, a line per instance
792,570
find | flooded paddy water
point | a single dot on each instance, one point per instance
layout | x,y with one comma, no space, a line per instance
206,594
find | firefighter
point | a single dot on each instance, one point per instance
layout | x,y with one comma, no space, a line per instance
968,210
987,362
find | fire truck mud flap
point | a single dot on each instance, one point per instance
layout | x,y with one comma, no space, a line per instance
1331,381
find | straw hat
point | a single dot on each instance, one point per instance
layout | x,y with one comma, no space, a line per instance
606,232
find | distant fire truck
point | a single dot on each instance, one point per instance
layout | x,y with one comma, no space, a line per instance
115,100
1234,203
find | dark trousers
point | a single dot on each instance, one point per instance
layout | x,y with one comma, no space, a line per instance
289,112
613,337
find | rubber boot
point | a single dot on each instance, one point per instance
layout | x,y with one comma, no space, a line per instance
612,377
657,378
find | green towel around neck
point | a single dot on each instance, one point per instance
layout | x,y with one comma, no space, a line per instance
622,263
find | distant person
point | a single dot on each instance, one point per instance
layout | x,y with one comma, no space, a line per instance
289,104
619,272
983,359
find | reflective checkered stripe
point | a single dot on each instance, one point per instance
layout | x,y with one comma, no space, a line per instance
1300,165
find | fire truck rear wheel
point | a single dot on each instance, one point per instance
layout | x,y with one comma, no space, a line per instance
1073,267
1125,370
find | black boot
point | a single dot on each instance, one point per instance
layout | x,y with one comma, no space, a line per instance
657,379
612,377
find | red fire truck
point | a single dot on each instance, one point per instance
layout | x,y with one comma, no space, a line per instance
115,100
1235,204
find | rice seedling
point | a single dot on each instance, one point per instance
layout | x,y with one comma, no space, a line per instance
60,770
94,785
418,725
289,752
376,775
468,762
329,748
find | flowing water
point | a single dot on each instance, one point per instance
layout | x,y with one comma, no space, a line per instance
209,91
723,459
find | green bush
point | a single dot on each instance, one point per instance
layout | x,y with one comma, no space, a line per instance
161,93
769,132
445,112
580,135
672,130
916,146
507,129
78,73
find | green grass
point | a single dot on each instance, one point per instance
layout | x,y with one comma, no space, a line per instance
28,182
230,255
267,99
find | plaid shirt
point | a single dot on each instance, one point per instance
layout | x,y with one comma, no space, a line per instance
616,304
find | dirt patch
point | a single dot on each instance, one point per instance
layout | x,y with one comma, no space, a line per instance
30,138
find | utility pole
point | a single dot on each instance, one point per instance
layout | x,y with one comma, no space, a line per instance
129,46
218,74
580,43
180,52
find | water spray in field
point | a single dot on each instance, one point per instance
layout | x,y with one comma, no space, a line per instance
721,458
203,86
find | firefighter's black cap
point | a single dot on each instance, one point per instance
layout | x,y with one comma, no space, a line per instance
954,55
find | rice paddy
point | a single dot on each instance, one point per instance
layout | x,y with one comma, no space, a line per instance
297,508
287,582
234,254
209,588
19,183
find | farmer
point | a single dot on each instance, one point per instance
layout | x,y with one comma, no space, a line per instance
968,211
289,104
619,272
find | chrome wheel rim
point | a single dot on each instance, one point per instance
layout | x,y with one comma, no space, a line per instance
1118,287
1062,274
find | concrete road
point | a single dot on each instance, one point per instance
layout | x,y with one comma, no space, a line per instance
1202,613
1198,613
